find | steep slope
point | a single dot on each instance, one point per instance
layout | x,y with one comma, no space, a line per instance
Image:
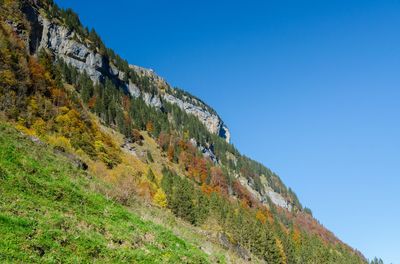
51,210
58,82
78,51
83,53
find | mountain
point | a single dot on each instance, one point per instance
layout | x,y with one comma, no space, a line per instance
132,137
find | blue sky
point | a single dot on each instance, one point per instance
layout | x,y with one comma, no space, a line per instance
309,88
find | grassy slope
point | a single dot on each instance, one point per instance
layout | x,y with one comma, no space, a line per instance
49,213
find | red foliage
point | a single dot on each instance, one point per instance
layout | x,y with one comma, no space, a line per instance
203,170
310,225
163,140
243,194
207,189
218,179
36,69
126,103
171,152
92,102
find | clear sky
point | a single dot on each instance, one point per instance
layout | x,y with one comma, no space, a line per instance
309,88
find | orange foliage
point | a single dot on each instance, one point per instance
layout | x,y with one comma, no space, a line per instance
261,216
171,152
207,189
184,160
163,140
310,225
182,145
203,170
218,179
36,69
149,127
244,203
59,97
145,190
296,236
92,102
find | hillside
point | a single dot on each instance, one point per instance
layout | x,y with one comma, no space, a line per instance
135,139
51,210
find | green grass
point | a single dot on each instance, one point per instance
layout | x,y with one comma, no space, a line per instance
49,213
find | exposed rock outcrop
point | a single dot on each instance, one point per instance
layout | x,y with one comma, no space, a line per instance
75,51
207,151
212,121
265,193
64,44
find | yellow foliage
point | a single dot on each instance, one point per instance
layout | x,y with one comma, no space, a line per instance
146,189
61,142
80,153
63,110
98,169
9,3
7,78
281,251
261,217
99,146
40,126
33,105
160,198
149,127
25,130
186,135
296,237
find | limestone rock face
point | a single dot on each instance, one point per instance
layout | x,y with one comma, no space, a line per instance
153,100
212,121
63,43
69,46
265,192
75,50
133,89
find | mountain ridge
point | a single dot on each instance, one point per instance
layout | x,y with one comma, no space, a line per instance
88,79
71,47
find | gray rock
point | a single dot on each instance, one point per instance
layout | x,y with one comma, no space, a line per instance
213,122
152,100
64,43
114,71
133,89
207,151
69,46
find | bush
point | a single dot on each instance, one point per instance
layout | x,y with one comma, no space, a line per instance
60,143
160,198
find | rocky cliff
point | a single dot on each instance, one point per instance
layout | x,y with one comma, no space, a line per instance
75,50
